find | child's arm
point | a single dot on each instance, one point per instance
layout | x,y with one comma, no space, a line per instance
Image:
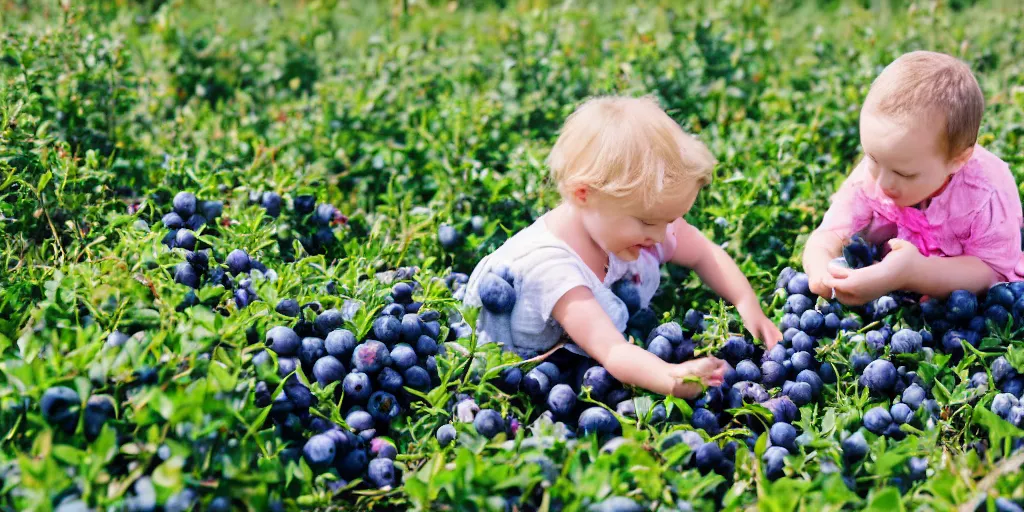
583,319
720,273
904,268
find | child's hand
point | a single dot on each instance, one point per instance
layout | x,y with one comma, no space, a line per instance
858,287
710,371
816,282
759,325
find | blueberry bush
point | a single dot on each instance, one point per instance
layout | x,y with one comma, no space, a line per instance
236,235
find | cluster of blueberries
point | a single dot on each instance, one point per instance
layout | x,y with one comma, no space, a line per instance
322,218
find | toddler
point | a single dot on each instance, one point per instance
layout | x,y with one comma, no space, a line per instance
949,209
627,173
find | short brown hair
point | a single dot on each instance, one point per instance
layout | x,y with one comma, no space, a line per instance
921,81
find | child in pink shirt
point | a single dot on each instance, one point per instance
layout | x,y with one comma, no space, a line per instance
949,209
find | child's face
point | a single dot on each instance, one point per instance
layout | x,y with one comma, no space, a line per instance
624,227
905,156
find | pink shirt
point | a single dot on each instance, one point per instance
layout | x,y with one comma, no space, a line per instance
977,214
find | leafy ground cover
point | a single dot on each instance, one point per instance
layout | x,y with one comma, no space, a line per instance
189,191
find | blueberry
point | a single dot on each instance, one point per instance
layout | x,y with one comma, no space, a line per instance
426,346
446,435
857,253
1000,295
536,384
340,344
299,394
359,420
185,274
496,294
561,400
855,447
877,420
811,322
775,461
283,341
328,321
1002,370
789,321
913,396
875,340
747,370
850,324
211,209
598,420
432,329
704,419
319,451
508,381
403,356
599,381
238,262
772,374
488,423
776,353
736,349
1002,404
466,410
917,468
402,293
961,306
383,449
708,457
417,378
693,321
383,406
797,304
784,435
901,413
801,393
389,380
173,221
832,322
328,369
906,341
783,409
812,379
932,309
799,284
286,365
447,236
803,342
288,307
628,293
952,342
304,204
195,222
381,473
271,202
184,204
324,214
879,376
978,380
98,409
998,316
370,356
310,350
671,331
785,276
883,307
661,347
1014,386
388,329
802,361
353,464
860,361
357,387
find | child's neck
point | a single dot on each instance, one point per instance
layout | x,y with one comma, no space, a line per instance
566,223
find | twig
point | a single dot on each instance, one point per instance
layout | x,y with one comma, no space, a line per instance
1011,465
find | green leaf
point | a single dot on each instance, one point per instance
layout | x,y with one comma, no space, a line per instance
886,500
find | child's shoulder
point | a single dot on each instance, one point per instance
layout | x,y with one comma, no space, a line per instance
532,254
988,174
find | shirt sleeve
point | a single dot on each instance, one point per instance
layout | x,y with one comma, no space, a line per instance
849,213
995,237
550,275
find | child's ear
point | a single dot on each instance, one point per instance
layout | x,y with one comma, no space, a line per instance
581,194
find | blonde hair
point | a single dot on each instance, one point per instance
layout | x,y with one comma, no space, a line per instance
918,83
627,147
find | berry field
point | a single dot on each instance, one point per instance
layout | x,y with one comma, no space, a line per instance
235,236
